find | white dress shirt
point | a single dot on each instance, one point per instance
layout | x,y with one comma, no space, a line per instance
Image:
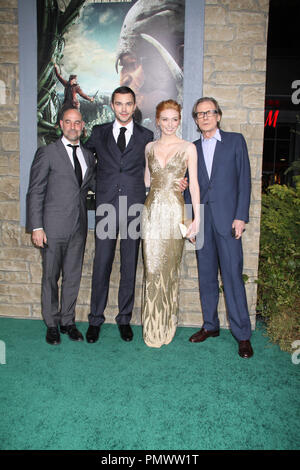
208,147
79,154
128,133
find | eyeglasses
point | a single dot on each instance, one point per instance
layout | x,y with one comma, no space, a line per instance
209,113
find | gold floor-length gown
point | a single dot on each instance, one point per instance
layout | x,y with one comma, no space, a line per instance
162,247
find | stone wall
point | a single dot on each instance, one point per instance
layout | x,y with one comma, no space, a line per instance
234,73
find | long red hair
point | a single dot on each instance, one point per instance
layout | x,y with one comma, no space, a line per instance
168,104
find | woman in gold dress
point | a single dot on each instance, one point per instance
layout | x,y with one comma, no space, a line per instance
167,160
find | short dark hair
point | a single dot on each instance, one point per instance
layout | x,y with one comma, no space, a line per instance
124,90
202,100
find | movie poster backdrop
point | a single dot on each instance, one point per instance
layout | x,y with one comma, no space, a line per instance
87,48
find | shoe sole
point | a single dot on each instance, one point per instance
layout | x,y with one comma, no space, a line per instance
246,356
91,341
55,343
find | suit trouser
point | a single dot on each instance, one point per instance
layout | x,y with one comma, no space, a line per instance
224,252
63,256
103,260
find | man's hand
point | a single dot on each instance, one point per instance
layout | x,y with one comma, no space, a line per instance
239,226
38,238
183,184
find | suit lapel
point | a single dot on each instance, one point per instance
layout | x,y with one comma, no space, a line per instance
112,144
201,164
87,161
217,156
132,140
85,155
65,158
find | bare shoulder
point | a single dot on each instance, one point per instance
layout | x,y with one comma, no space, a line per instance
149,146
187,144
191,148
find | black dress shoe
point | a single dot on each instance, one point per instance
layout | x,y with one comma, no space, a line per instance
245,349
72,332
53,336
126,332
92,333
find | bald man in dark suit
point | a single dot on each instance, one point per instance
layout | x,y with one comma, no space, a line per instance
61,175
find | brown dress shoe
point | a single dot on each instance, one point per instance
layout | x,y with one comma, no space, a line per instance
245,349
202,335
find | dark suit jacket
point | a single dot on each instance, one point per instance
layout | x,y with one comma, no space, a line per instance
229,188
55,202
119,174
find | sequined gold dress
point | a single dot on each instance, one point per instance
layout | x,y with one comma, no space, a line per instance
162,247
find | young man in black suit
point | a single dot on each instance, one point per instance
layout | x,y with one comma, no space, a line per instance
120,151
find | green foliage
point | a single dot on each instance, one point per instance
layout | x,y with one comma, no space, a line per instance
279,273
52,24
295,168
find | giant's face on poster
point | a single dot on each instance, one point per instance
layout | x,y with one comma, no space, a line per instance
87,48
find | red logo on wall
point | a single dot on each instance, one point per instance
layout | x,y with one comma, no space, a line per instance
272,119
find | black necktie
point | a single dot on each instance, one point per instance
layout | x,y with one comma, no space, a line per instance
77,165
121,142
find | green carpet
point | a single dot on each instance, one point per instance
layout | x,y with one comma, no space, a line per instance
114,395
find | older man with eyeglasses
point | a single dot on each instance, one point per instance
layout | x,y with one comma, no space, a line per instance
225,186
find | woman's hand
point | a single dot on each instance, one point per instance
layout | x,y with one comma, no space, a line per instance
193,229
